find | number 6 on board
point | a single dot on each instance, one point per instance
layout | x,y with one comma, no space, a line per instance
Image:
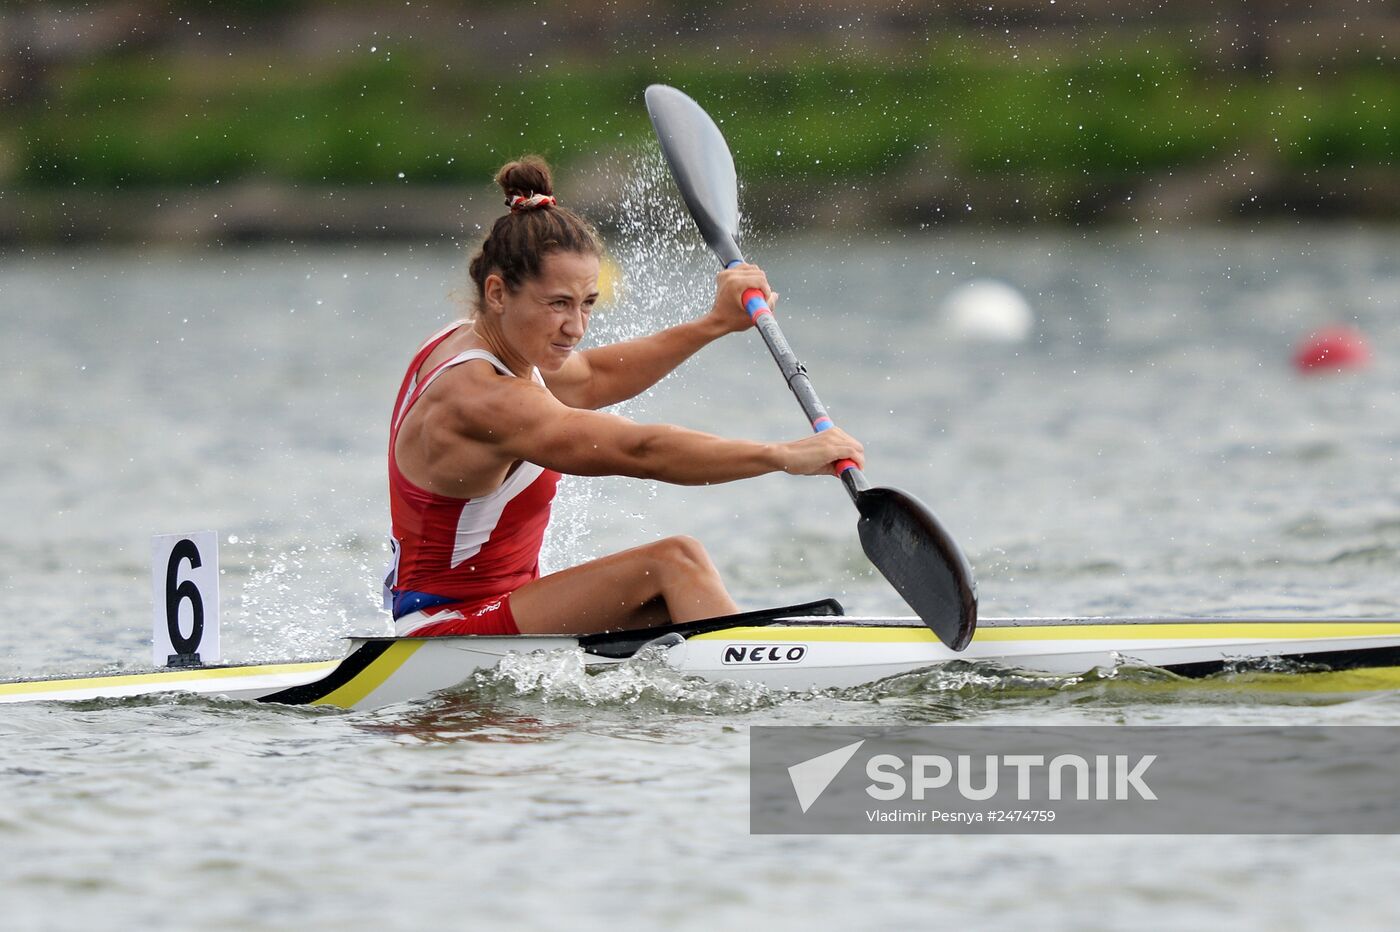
185,582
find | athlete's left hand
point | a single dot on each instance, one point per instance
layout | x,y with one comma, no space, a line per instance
730,286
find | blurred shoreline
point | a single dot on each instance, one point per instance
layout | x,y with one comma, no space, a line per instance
261,212
249,120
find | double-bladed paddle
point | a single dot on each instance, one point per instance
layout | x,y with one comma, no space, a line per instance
900,536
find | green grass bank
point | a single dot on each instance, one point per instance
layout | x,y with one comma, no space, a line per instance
1057,121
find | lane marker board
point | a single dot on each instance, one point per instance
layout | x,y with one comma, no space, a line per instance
185,586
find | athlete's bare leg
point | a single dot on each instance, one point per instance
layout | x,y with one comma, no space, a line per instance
670,580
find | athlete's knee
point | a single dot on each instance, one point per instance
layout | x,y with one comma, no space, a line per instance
685,554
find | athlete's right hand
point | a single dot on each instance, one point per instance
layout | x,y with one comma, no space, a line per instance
730,286
818,454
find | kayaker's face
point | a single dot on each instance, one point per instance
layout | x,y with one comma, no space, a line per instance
546,317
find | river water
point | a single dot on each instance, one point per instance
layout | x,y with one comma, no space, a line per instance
1147,451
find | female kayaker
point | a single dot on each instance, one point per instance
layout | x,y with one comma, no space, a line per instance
494,408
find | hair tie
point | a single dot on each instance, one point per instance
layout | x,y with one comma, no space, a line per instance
519,202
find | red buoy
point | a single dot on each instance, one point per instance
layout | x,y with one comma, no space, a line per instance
1332,349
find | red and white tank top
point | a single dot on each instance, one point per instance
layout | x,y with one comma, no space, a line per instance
463,548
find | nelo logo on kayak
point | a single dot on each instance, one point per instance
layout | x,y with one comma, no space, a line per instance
764,653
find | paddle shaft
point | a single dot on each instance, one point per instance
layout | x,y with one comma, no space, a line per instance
902,538
796,376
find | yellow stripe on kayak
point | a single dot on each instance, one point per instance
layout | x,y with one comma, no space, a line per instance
1167,631
1367,679
373,676
171,677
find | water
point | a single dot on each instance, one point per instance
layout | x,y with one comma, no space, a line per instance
1149,451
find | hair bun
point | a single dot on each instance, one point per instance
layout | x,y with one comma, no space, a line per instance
535,227
525,177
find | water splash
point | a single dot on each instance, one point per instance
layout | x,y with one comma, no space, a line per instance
645,680
295,602
665,276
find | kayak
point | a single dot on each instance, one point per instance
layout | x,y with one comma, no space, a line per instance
801,647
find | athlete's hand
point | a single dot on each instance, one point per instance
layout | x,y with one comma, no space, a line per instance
818,454
730,286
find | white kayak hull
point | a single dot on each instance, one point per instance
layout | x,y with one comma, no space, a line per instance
797,653
837,655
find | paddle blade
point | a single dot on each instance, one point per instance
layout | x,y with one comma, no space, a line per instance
702,166
920,559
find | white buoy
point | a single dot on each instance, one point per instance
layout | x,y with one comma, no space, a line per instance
986,309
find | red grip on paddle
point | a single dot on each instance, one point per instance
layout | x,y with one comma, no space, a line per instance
755,303
843,465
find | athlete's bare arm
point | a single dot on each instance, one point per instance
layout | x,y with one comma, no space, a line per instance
520,420
605,375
